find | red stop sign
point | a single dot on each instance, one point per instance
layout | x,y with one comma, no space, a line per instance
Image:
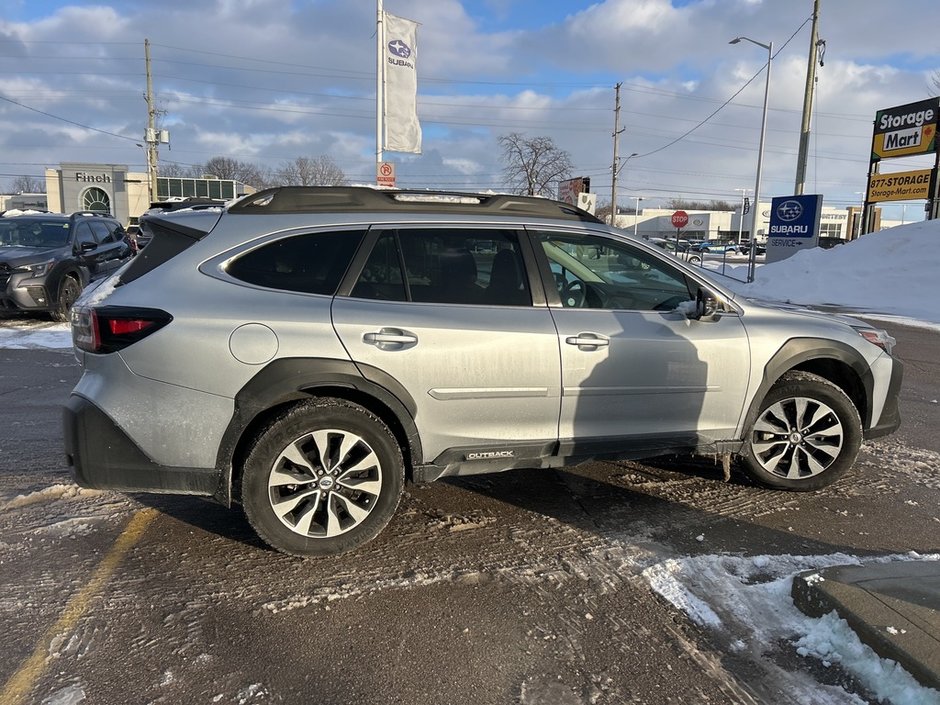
680,219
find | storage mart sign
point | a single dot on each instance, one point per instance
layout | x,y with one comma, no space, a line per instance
900,186
906,130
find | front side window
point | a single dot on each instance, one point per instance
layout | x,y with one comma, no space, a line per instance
84,235
313,263
102,232
450,266
596,272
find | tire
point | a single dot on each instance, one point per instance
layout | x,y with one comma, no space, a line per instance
695,259
330,509
69,290
805,436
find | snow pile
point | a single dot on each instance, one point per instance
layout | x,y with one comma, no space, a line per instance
27,335
747,599
892,271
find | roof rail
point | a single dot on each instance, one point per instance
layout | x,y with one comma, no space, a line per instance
315,199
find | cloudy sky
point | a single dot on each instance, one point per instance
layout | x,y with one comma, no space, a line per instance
266,81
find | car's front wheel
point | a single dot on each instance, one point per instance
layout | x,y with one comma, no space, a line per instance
69,290
807,434
322,478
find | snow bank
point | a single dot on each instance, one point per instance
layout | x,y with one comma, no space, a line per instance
893,271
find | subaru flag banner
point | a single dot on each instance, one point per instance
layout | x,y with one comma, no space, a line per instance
402,129
794,225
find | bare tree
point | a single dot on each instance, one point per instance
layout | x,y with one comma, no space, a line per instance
28,184
304,171
533,165
223,168
190,171
684,204
935,81
254,175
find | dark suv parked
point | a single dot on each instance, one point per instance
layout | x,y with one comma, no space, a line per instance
46,259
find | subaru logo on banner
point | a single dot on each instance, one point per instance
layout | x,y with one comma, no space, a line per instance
794,225
399,48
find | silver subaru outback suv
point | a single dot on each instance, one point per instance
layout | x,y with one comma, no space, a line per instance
304,351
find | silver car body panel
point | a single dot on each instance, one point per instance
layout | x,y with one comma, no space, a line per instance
480,376
175,426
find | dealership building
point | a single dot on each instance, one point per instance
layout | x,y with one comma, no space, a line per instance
111,188
841,223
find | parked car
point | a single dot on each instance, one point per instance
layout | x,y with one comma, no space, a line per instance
680,251
46,259
304,351
715,247
176,204
828,241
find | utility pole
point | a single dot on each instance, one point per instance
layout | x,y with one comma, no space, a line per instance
614,169
807,103
151,138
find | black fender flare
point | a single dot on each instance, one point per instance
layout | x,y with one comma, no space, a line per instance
293,379
797,351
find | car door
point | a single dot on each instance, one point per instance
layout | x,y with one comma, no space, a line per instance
87,252
636,371
112,250
448,314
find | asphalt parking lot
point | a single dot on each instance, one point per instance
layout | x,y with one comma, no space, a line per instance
527,587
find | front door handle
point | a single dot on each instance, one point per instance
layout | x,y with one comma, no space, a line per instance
588,340
390,339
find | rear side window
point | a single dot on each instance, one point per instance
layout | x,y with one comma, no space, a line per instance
311,264
450,266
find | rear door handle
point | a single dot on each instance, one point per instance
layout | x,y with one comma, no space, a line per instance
588,340
390,339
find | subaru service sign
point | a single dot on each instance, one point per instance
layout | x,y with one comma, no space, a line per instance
794,225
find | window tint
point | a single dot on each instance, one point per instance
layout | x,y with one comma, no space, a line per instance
596,272
312,264
453,266
83,234
381,277
101,230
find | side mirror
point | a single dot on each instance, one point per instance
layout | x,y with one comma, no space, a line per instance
86,247
706,305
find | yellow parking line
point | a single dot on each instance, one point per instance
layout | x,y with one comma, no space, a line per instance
21,683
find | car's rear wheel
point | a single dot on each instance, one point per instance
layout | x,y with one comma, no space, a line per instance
806,435
322,478
69,290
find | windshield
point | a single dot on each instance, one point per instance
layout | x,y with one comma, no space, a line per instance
33,232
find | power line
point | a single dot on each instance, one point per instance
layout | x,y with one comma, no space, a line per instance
71,122
738,92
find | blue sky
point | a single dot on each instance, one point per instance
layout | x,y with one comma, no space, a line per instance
253,80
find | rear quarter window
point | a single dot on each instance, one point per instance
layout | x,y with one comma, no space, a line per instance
312,263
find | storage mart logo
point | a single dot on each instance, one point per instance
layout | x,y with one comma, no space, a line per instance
906,130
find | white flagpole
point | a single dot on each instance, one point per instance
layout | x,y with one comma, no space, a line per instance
379,82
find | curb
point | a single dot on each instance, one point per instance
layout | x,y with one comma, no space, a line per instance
894,608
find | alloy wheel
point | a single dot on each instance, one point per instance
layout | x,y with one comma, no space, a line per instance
797,438
325,483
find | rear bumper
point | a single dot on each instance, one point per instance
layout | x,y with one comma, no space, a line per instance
101,456
890,418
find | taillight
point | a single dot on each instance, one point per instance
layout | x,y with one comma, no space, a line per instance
111,328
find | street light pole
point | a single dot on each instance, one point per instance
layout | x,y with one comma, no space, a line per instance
760,152
636,213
